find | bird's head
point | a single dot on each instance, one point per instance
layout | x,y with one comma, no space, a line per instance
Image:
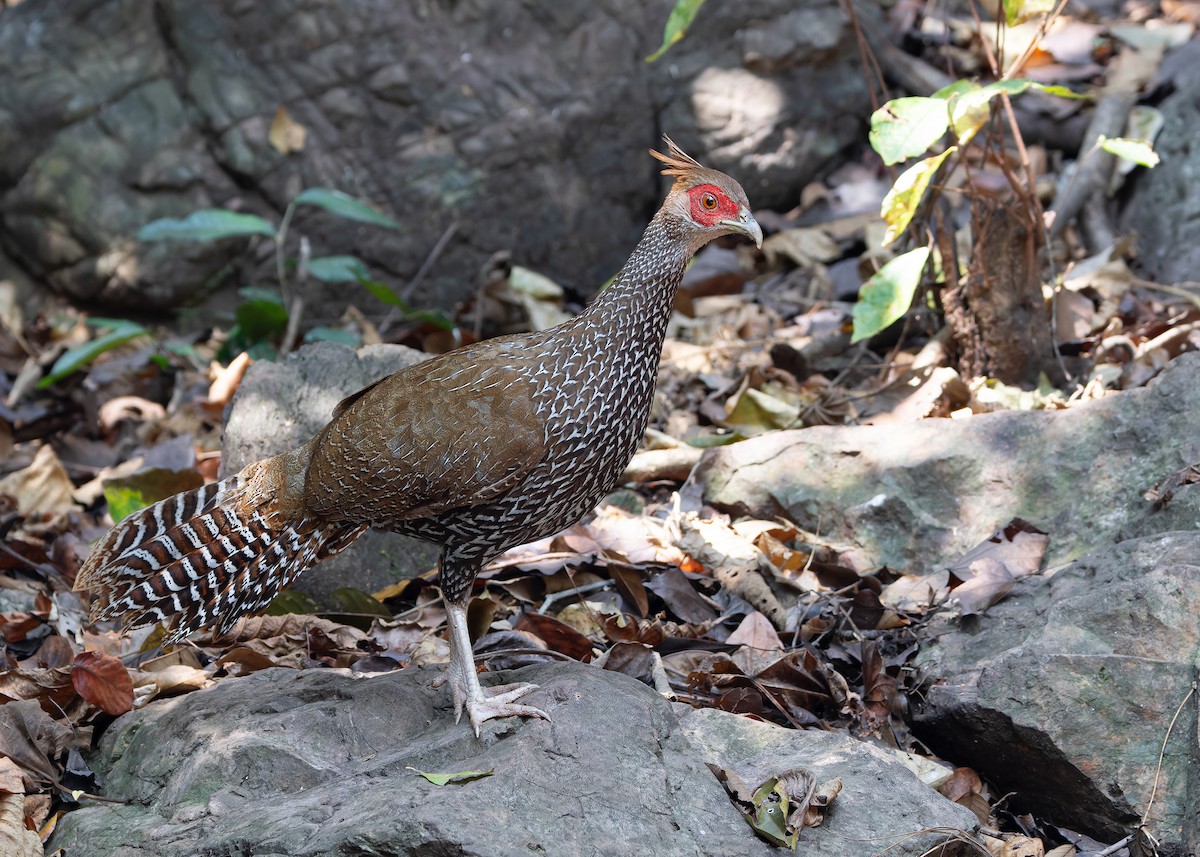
707,203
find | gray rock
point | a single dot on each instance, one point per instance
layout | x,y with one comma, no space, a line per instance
1065,691
917,496
317,763
882,806
1163,212
522,122
279,406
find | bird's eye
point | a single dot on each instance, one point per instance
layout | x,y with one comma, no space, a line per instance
708,201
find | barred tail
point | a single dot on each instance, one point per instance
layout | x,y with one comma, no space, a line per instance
203,558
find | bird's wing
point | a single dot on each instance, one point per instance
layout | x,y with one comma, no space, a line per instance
437,436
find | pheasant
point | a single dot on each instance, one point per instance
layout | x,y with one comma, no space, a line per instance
477,450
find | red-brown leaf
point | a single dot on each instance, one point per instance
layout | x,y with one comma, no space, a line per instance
103,681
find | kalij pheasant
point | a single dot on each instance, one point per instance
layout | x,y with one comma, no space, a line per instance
496,444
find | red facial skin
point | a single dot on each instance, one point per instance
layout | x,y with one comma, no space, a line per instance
725,209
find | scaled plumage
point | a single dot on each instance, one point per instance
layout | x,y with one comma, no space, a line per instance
496,444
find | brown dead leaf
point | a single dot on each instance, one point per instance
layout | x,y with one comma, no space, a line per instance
226,379
558,636
50,688
632,659
628,580
15,839
757,641
172,680
1062,851
11,780
103,681
286,134
32,739
41,489
121,408
989,583
1019,545
243,660
1162,493
916,593
620,628
291,630
681,598
54,652
961,782
879,690
1022,846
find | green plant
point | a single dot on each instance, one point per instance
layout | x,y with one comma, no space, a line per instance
906,128
266,314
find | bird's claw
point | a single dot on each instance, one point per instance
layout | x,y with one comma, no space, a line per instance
483,706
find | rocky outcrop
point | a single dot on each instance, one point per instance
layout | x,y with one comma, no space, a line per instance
322,762
521,126
1067,692
917,496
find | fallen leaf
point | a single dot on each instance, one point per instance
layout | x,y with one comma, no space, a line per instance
962,781
1022,846
32,739
558,636
1019,545
103,681
673,587
879,690
286,134
459,777
15,839
990,581
41,489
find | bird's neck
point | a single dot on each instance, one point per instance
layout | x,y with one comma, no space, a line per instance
636,305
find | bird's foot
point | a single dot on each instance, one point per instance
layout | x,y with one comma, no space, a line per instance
464,681
500,702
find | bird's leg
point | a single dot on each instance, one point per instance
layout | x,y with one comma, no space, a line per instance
464,682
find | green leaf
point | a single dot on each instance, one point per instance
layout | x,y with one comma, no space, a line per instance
906,194
1019,11
460,777
888,294
383,291
74,359
1137,151
906,127
344,205
260,318
293,601
321,333
261,293
1058,89
681,17
347,599
207,224
337,269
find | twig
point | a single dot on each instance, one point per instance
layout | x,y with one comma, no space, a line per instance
436,252
296,306
1163,752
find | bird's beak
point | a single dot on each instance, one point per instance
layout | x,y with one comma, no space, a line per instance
747,225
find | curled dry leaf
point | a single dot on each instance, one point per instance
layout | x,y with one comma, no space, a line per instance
990,581
15,839
558,636
103,681
1022,846
226,379
41,489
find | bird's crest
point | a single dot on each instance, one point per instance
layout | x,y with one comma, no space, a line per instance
686,169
